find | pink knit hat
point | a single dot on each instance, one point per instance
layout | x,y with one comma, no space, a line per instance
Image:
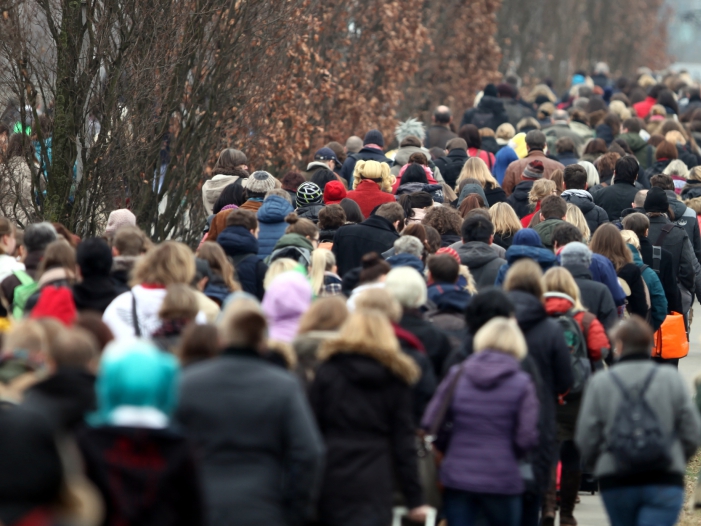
119,218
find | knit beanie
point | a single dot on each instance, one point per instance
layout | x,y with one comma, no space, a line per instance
534,170
309,194
447,251
656,200
94,257
259,182
119,218
575,253
56,302
374,137
334,192
379,172
490,90
527,237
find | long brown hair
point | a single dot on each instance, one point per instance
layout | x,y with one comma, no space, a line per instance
608,242
219,263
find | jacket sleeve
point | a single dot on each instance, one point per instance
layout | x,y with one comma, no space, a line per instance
688,266
687,423
526,431
347,170
696,241
561,363
589,432
261,269
657,298
501,275
608,314
509,181
190,504
467,117
601,217
598,342
404,449
303,458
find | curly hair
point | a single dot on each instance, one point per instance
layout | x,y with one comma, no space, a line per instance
444,219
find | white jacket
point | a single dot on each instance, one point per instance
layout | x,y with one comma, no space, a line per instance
8,265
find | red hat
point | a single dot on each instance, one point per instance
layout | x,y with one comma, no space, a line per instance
334,191
447,251
55,302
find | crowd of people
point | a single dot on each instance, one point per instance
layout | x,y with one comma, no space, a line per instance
469,323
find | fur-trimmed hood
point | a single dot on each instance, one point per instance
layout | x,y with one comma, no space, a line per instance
398,363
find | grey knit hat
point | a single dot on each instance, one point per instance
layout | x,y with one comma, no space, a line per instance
259,182
575,253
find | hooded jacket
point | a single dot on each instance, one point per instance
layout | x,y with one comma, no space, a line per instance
677,242
369,196
545,230
519,199
644,152
691,190
543,256
242,247
515,170
94,293
292,246
448,312
352,242
483,262
595,296
435,190
616,198
484,459
434,341
401,157
406,260
667,274
212,189
594,215
656,168
361,397
365,154
685,217
489,113
288,297
471,188
310,212
271,220
503,159
451,165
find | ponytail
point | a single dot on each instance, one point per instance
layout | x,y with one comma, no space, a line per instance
322,260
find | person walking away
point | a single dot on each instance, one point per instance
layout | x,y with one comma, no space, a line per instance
373,143
575,179
638,428
536,145
372,186
476,252
553,212
619,196
438,135
520,198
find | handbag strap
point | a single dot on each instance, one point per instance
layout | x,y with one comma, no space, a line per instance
446,403
134,317
663,235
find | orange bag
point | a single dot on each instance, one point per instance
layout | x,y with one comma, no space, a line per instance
670,339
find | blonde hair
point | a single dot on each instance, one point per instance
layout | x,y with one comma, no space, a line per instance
575,217
27,335
476,168
214,254
322,260
180,303
677,167
505,131
541,189
165,264
675,137
503,335
619,108
559,279
631,238
695,173
486,132
276,268
525,275
58,254
373,170
233,322
381,300
325,314
504,219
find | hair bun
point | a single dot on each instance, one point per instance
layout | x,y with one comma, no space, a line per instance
292,218
370,260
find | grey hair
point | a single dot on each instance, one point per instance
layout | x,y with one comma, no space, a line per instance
410,127
280,193
409,245
38,236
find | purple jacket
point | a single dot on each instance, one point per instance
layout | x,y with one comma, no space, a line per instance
495,422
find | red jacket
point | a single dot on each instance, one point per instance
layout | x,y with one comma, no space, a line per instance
368,196
643,108
526,220
486,156
595,335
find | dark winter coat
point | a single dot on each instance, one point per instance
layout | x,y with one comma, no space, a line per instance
365,154
121,270
271,222
667,274
616,198
517,110
451,165
483,262
637,301
352,242
242,247
596,297
503,240
519,199
691,190
422,391
310,212
94,293
450,239
686,218
594,215
434,340
545,230
449,302
543,256
490,144
495,423
644,152
568,158
494,195
145,476
677,242
259,449
361,397
437,136
656,168
489,113
685,154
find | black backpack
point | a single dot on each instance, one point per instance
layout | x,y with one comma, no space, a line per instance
636,440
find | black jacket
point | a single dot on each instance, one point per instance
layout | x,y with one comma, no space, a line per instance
365,154
678,244
310,212
494,195
517,110
568,158
242,248
593,214
490,144
616,198
667,274
637,301
352,242
595,296
423,390
489,113
691,190
363,408
451,165
94,293
259,450
434,340
519,199
656,168
686,218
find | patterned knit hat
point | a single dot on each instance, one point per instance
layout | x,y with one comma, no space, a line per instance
119,218
447,251
259,182
534,170
309,194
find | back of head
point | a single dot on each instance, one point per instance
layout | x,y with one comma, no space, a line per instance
410,128
373,267
229,159
471,135
165,264
656,201
565,233
575,253
443,269
332,217
442,115
374,171
244,218
94,258
638,223
180,303
553,207
37,236
407,286
75,348
409,245
663,181
666,150
119,219
535,140
312,193
632,125
525,276
414,173
565,145
243,325
677,167
633,336
280,192
627,169
198,342
131,241
575,177
457,143
476,228
380,300
299,225
291,181
559,279
325,314
352,210
487,304
59,254
354,144
503,335
392,212
505,131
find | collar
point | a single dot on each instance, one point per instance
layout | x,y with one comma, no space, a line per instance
152,286
134,416
578,192
247,352
535,153
635,357
373,146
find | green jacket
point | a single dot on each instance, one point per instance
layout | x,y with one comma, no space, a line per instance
545,231
644,152
292,246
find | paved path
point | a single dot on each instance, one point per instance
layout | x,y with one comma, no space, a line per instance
590,512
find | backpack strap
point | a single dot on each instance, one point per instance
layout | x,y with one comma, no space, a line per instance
663,235
446,402
643,388
134,317
23,277
656,258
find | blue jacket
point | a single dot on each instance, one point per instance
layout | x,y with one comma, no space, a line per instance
242,247
658,310
504,158
449,297
407,260
602,271
543,256
271,220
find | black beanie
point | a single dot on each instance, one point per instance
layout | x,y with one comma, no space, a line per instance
94,258
490,90
656,201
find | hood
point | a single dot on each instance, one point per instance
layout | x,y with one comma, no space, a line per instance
237,240
403,154
579,271
476,254
529,310
634,140
94,293
286,299
677,206
579,198
543,256
488,369
293,240
492,104
472,188
212,189
556,303
317,164
274,210
436,190
521,191
448,297
627,211
407,260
